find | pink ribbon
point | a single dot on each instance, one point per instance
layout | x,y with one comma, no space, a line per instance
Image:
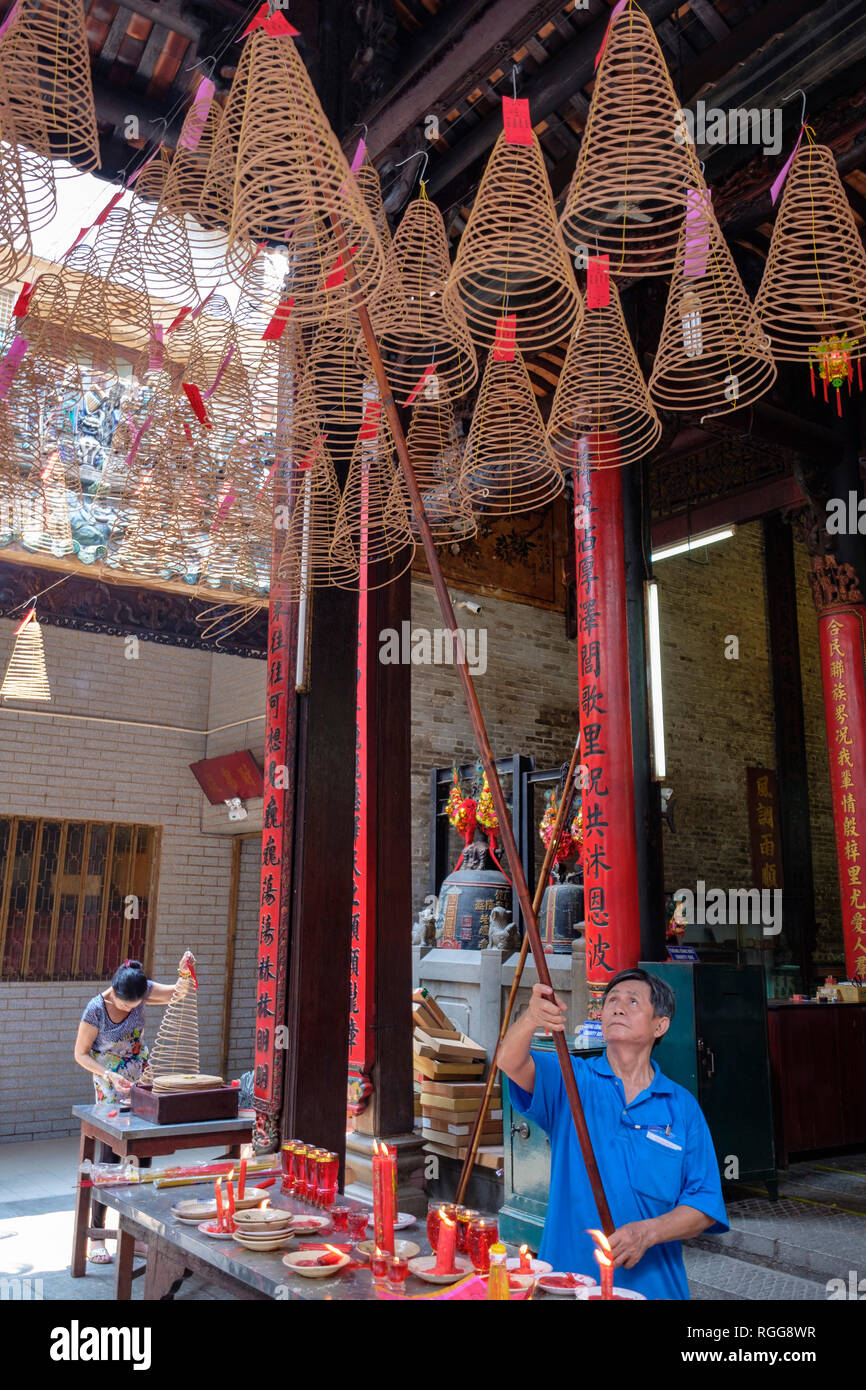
10,363
136,440
193,126
617,9
10,18
206,395
776,185
157,348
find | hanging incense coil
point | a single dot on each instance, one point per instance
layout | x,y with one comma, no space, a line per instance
627,196
26,677
814,283
436,451
47,39
339,371
508,464
183,221
370,188
713,353
162,517
112,306
512,259
418,330
602,410
24,129
165,247
373,523
276,166
15,245
175,1049
237,549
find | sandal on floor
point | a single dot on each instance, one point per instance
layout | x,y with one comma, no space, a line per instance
100,1256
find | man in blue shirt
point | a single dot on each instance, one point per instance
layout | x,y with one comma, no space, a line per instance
649,1136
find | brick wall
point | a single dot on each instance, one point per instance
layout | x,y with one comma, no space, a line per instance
106,771
242,1023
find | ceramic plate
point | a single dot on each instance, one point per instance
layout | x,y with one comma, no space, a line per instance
294,1262
303,1225
406,1248
565,1285
204,1227
272,1242
404,1219
197,1209
537,1266
619,1294
425,1267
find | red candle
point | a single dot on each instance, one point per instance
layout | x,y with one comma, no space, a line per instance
218,1192
525,1260
384,1196
242,1179
602,1254
446,1245
230,1204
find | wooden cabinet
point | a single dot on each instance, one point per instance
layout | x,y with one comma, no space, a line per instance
818,1061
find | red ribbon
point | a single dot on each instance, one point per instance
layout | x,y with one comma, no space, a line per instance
370,423
193,395
25,620
338,274
22,303
280,317
417,388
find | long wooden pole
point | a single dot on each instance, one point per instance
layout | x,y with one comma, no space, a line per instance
484,750
552,847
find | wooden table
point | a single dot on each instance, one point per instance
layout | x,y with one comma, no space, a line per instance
175,1250
129,1135
818,1060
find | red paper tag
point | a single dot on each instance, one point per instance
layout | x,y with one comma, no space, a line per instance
22,303
338,274
504,342
24,621
179,318
419,385
598,282
274,24
370,423
516,121
307,460
193,395
277,326
109,207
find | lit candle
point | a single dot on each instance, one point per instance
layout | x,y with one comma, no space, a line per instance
242,1179
384,1196
446,1245
230,1203
218,1192
602,1254
525,1260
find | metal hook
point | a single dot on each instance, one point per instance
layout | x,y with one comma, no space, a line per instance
514,80
426,155
200,62
803,109
366,129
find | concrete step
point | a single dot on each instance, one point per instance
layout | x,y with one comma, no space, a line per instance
714,1276
817,1240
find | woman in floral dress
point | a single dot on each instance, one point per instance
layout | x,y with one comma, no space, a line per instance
110,1044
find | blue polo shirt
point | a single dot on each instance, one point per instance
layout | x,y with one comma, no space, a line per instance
653,1155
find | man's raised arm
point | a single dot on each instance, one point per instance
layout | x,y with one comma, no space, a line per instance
514,1055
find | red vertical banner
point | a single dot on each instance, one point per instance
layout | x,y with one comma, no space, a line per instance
609,843
361,962
842,639
277,836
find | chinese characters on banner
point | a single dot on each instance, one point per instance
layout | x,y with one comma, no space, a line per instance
843,653
609,845
277,827
764,832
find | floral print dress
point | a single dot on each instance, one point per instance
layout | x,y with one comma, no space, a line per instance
118,1047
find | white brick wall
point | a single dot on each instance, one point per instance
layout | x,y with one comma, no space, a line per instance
56,767
243,1022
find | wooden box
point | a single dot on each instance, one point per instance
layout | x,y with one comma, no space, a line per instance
185,1107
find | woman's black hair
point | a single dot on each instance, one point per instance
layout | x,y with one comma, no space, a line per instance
129,981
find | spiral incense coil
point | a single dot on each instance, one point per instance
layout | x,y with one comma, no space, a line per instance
508,464
277,164
159,524
15,245
814,283
627,196
165,247
112,305
236,553
418,331
601,409
713,353
47,39
313,556
26,677
24,127
175,1049
435,449
373,522
339,371
512,258
389,293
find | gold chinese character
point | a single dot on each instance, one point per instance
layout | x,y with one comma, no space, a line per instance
763,786
846,780
858,921
844,757
843,737
768,846
768,876
854,900
837,670
840,714
848,806
852,850
839,692
849,826
835,649
854,872
765,814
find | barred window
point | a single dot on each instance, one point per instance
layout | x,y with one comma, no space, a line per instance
76,897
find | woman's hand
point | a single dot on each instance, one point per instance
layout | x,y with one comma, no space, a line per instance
121,1083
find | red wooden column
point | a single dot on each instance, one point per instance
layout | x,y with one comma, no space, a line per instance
612,903
842,639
